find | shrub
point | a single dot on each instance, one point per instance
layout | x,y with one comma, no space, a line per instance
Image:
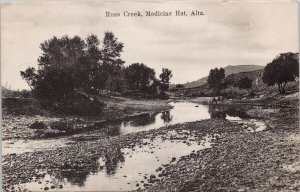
38,125
245,83
60,125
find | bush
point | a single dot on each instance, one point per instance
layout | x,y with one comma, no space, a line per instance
60,125
38,125
233,92
251,94
82,106
245,83
163,96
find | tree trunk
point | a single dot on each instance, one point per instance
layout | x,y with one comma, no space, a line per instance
29,85
282,89
279,87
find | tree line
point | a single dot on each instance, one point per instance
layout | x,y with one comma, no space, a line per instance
283,69
71,65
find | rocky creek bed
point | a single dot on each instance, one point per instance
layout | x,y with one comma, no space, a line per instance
237,160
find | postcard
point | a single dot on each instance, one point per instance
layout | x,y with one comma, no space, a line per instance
150,96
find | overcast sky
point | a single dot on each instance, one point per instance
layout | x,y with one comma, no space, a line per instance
229,34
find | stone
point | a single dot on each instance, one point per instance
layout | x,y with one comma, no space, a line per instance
38,125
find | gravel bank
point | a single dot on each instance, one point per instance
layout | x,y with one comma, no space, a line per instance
237,161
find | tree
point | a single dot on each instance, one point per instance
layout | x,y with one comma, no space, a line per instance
179,86
165,77
91,68
283,69
111,58
71,65
30,76
215,78
245,83
140,77
56,77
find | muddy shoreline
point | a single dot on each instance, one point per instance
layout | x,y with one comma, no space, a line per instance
237,161
20,126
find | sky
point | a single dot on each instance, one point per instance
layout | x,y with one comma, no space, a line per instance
230,33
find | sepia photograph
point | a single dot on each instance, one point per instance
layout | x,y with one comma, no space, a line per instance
150,96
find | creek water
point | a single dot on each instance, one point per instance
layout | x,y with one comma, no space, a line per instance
131,170
181,112
134,166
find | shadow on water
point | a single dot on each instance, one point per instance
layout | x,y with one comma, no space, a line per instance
118,127
111,162
222,111
181,113
112,172
166,116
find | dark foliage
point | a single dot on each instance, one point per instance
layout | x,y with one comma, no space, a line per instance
140,77
68,65
215,78
245,83
60,125
38,125
165,77
283,69
179,86
11,93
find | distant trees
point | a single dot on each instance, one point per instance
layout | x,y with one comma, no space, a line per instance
69,65
244,83
283,69
179,86
142,78
215,78
165,77
139,77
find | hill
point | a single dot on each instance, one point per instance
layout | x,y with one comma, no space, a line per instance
230,89
228,71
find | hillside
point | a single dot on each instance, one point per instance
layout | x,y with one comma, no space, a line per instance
228,71
231,90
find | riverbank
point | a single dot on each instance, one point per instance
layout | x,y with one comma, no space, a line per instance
235,160
243,161
239,161
45,125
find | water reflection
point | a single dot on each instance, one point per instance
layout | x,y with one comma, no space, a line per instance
181,113
217,111
141,120
235,111
166,116
72,176
112,160
111,128
224,111
121,168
